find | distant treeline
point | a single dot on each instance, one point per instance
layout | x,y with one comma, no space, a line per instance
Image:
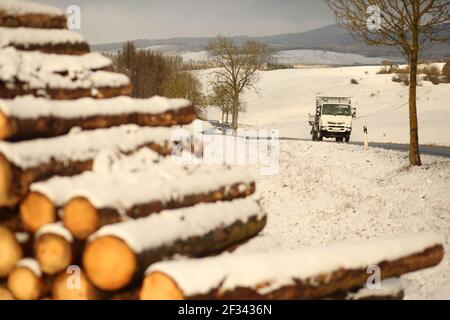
152,73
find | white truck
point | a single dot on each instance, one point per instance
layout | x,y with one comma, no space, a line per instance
333,118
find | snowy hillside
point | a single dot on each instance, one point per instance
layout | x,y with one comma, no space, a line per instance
327,193
329,58
285,97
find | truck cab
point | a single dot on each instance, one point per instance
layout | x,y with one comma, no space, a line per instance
333,119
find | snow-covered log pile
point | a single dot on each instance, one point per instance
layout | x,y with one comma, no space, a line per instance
89,175
304,274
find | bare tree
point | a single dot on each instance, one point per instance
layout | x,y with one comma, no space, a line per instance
223,98
409,25
236,68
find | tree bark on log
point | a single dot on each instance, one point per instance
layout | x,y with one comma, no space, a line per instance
159,285
76,49
16,129
21,89
82,218
112,264
10,251
41,21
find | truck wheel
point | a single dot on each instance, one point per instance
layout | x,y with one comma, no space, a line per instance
347,138
339,139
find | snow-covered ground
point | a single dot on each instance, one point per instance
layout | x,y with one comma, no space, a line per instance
325,58
326,193
285,97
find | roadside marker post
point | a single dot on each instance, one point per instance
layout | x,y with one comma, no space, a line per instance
366,138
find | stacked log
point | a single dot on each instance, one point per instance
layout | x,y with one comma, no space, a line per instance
30,118
26,281
10,251
14,14
304,274
44,40
55,248
118,254
67,78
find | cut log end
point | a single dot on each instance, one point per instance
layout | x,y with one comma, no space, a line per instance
73,287
5,294
5,127
158,286
10,251
6,198
37,211
109,263
53,252
24,284
81,218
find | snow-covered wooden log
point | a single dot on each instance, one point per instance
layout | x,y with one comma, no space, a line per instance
10,251
60,77
118,254
23,163
26,281
30,118
15,14
303,274
44,40
54,248
92,200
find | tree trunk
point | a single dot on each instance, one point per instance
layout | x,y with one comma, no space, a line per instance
414,155
235,112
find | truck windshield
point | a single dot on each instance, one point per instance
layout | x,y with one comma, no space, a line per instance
336,110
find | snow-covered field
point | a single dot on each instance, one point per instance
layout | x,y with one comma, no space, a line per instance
285,97
325,58
326,193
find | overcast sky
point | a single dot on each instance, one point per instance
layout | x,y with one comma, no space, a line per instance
118,20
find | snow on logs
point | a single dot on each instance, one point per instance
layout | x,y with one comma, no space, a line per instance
23,163
29,118
15,14
118,253
303,274
59,77
44,40
26,280
92,200
10,251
